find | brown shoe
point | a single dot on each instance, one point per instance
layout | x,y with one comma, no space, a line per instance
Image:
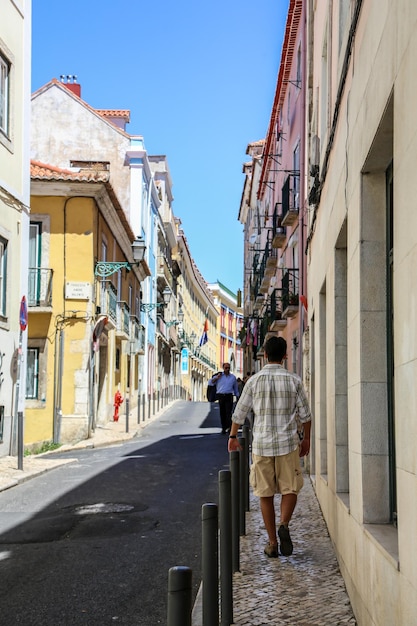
271,550
285,545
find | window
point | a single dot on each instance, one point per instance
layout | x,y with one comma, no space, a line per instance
3,276
4,95
103,251
32,374
35,272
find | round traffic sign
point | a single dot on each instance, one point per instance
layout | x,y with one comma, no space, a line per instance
23,315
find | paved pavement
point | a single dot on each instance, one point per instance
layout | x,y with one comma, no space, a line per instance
305,589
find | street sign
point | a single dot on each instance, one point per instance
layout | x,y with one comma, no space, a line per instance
23,315
184,361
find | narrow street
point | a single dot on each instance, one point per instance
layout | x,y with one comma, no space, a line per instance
92,542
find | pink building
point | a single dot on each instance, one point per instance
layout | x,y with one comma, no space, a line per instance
275,229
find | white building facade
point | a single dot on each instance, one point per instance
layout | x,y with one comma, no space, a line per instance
362,295
15,62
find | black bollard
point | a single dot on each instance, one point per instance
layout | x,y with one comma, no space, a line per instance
127,414
179,596
246,435
226,574
242,488
235,487
210,564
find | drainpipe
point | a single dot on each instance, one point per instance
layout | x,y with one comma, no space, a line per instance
58,375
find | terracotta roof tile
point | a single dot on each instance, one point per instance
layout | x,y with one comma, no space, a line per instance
122,113
42,171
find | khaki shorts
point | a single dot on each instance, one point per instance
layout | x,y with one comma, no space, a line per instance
276,474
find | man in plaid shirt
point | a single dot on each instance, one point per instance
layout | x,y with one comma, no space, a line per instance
279,403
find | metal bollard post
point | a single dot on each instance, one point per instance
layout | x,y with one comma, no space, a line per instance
127,414
138,408
210,565
20,451
179,596
235,485
246,435
143,407
226,574
242,488
149,406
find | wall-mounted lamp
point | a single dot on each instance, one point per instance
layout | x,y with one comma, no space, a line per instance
104,269
166,295
178,321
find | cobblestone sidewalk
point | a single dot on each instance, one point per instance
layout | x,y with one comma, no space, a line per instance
305,589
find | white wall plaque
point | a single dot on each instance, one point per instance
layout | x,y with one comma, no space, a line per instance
77,291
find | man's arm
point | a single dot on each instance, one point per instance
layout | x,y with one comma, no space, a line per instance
305,443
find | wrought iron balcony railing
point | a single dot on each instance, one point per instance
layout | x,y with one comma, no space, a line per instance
108,300
40,287
123,318
290,199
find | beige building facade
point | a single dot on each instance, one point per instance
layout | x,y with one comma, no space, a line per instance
362,293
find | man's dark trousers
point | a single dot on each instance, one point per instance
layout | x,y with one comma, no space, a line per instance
226,409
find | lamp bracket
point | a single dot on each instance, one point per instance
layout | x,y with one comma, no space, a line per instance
107,268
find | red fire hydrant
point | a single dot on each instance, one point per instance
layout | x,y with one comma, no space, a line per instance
118,400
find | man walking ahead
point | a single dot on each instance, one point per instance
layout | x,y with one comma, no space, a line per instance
226,388
279,403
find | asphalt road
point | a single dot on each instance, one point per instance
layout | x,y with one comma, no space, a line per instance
91,543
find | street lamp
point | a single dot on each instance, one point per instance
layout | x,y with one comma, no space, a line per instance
166,295
104,269
177,322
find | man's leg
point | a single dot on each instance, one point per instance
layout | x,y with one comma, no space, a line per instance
268,515
288,502
222,407
228,411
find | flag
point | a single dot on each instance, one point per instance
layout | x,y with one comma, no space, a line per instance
204,337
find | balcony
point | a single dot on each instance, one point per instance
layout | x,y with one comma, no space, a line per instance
137,336
40,287
108,301
290,297
290,200
274,312
267,266
164,272
278,230
271,265
123,319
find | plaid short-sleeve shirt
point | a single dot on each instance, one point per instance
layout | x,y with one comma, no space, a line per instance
279,403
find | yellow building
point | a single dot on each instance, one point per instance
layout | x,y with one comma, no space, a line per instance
229,325
197,332
84,300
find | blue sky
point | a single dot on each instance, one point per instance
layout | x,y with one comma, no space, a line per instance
198,79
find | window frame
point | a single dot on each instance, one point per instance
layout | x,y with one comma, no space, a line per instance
5,70
3,277
35,377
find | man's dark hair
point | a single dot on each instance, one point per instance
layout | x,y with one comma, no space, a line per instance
275,349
